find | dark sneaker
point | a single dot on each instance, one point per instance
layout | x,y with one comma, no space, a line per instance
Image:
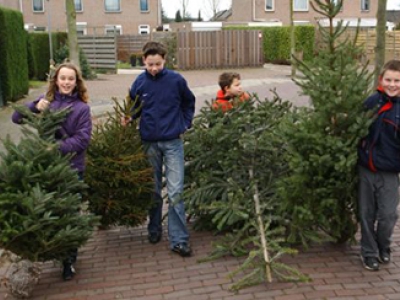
183,250
370,263
154,238
384,256
68,271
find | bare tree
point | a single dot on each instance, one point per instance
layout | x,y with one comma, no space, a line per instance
72,35
185,4
380,38
211,8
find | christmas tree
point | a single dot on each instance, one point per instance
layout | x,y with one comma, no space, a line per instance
40,193
231,174
319,197
118,173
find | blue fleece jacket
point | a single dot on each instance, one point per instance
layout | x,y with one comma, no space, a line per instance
167,105
380,149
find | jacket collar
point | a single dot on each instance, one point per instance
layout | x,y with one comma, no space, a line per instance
67,98
158,75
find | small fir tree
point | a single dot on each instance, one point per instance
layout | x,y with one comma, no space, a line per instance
320,193
40,194
231,180
118,173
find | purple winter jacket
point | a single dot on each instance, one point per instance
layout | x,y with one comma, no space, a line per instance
76,130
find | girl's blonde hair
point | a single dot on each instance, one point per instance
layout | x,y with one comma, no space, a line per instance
80,87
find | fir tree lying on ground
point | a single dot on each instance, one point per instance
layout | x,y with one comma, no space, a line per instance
118,173
231,174
40,194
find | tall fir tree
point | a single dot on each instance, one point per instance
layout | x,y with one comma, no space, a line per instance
40,194
118,173
320,193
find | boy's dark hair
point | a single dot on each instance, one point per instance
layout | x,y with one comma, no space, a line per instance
391,65
226,79
154,48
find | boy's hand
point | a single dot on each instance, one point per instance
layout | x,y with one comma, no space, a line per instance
125,120
42,105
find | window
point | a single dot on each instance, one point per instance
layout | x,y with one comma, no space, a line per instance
78,5
300,5
112,5
337,2
81,28
365,5
38,5
113,29
269,5
144,5
144,29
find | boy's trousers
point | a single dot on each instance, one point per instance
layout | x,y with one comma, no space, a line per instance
378,197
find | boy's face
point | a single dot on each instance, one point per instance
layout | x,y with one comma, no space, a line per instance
235,89
154,64
390,83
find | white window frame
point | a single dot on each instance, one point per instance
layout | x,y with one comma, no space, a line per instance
110,29
300,8
336,1
147,4
33,6
81,4
269,3
365,3
81,27
112,10
144,26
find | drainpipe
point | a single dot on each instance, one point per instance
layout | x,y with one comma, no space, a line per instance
20,6
254,14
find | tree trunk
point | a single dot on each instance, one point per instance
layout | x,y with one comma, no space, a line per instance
72,35
261,227
292,41
380,39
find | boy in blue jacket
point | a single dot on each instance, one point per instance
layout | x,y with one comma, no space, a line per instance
167,109
379,167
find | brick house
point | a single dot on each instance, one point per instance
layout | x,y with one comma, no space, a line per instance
303,13
92,16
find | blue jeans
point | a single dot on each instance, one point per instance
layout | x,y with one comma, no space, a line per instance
169,154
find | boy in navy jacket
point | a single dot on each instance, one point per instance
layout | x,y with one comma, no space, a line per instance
167,109
379,167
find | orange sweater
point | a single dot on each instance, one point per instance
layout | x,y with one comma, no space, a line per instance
223,102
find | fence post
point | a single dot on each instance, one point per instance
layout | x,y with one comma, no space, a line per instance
1,96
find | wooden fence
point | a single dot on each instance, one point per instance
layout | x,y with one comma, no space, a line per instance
219,49
100,50
392,44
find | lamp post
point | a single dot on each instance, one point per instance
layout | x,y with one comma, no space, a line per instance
49,30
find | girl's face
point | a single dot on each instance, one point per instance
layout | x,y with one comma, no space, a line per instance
66,81
390,83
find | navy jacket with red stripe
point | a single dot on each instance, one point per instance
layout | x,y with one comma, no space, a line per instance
380,149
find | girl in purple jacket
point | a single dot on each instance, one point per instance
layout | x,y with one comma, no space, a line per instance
67,89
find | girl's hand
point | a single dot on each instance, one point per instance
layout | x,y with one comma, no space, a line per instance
42,105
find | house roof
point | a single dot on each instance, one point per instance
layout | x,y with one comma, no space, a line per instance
393,16
222,15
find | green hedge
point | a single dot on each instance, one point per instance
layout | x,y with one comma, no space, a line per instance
277,43
14,82
40,49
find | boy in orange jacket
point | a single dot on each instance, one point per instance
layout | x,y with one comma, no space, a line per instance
231,89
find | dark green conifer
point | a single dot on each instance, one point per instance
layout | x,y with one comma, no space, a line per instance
40,194
118,173
320,193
